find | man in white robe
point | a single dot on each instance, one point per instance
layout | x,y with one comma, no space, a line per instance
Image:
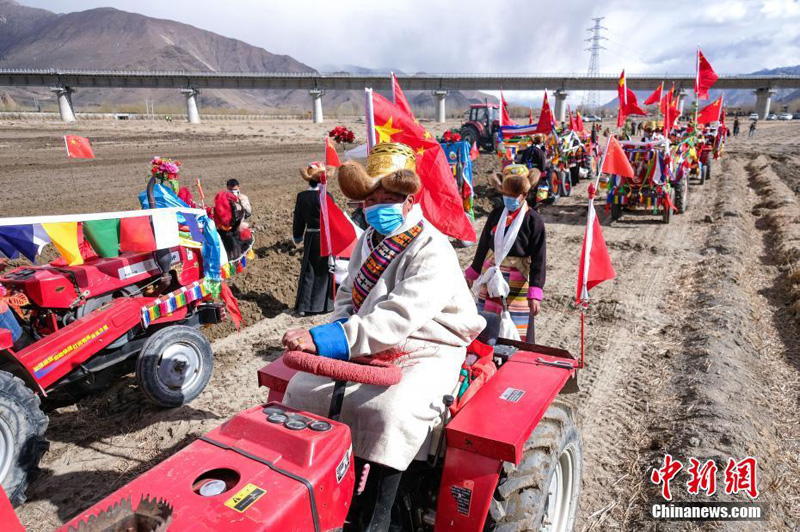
419,305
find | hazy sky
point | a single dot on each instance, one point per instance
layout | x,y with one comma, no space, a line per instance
508,36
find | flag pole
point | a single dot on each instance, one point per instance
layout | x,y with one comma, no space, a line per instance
369,118
323,203
69,164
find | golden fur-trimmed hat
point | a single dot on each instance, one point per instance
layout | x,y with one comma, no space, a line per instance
391,165
313,172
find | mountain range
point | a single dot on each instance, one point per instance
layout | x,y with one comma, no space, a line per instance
107,38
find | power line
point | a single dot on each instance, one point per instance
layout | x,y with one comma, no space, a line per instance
590,97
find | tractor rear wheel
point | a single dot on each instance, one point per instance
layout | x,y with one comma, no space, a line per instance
541,493
174,366
22,443
469,134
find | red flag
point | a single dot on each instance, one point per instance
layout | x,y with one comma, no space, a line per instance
331,157
705,77
628,105
656,96
473,151
669,110
615,161
440,201
136,235
505,118
595,266
711,112
399,98
545,124
231,305
572,124
78,147
338,232
343,234
579,122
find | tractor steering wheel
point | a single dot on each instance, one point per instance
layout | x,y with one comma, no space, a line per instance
364,370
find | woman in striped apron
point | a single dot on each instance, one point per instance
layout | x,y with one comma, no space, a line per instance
509,265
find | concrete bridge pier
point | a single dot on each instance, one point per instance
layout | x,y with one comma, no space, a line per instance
192,114
560,113
441,113
681,100
65,109
763,101
316,110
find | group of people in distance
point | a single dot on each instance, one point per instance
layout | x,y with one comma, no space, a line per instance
406,298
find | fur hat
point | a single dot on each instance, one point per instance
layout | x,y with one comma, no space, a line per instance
516,182
313,172
390,165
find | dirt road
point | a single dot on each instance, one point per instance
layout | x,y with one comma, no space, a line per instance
692,349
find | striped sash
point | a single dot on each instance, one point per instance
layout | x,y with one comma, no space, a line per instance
377,262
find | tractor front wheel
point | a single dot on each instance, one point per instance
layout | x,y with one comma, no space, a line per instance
541,493
22,443
174,366
682,196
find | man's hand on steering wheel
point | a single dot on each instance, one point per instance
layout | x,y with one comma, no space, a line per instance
299,340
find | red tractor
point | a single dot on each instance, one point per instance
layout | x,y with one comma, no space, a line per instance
82,326
508,459
481,125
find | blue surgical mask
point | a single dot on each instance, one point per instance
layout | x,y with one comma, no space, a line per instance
385,217
512,204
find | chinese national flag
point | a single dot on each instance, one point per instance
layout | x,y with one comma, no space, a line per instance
78,147
711,112
545,124
572,124
331,157
439,198
505,118
656,96
615,161
338,233
628,105
595,266
399,97
706,77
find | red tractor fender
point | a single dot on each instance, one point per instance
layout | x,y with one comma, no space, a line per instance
492,428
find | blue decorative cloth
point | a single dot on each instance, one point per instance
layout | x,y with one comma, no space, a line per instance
212,245
331,341
458,152
9,321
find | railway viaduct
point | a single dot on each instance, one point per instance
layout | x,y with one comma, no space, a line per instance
64,82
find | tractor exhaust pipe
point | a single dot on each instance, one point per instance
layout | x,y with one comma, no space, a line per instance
163,256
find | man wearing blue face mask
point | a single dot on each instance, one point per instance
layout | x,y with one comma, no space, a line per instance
404,298
508,271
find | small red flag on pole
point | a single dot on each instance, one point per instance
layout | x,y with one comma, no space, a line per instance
78,147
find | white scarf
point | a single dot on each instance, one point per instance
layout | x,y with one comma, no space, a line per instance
496,285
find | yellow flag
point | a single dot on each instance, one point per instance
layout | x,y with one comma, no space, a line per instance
65,238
